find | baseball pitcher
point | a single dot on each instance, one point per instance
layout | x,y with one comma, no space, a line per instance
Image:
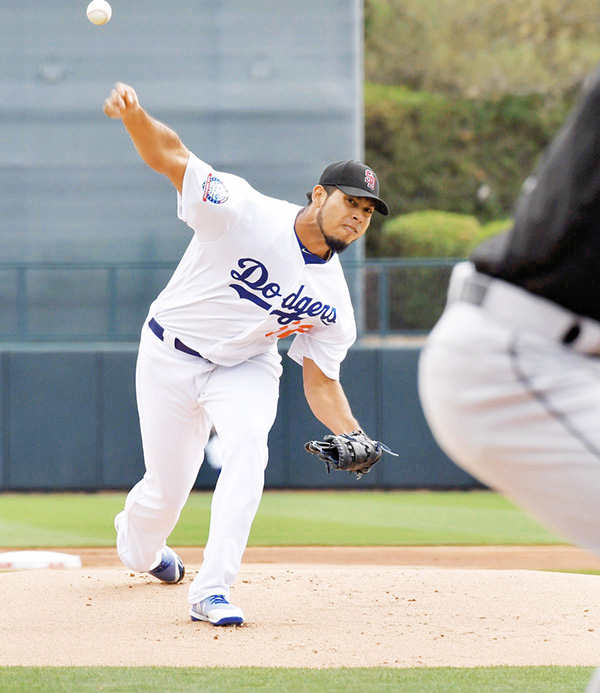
256,270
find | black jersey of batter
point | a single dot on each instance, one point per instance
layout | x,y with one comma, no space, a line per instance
553,248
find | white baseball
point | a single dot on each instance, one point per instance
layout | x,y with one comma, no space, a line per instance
99,12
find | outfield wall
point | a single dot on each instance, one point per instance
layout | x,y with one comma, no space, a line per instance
68,420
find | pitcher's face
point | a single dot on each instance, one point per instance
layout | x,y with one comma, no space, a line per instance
343,219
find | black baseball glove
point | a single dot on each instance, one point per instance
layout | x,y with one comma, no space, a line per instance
351,452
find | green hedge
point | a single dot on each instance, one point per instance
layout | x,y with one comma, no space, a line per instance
434,233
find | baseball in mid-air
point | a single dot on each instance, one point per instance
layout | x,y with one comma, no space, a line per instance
99,12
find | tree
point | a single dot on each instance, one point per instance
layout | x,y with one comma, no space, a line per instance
482,48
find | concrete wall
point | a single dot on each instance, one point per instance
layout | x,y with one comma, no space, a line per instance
68,420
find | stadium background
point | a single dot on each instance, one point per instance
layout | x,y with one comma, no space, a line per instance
457,104
462,97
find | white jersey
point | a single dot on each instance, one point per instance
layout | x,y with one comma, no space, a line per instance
246,281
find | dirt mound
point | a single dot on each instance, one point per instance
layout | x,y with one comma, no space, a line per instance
304,616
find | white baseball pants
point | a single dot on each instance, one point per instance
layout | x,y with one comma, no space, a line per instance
518,409
179,398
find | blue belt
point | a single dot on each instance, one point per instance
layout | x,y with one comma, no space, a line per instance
179,345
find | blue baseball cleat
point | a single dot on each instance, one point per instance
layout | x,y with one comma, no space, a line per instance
170,569
217,610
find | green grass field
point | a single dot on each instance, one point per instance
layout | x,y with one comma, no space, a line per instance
433,680
287,518
291,518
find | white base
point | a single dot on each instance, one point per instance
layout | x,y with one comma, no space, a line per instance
28,560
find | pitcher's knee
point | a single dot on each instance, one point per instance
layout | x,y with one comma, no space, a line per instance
253,437
247,451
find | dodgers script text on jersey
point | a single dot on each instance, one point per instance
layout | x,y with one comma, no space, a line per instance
294,306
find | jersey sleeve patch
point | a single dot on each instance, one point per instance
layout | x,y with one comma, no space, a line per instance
214,190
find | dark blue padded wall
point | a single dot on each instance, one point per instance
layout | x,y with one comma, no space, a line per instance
403,426
52,425
4,423
120,440
68,420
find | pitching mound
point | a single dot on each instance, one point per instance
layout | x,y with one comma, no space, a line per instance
305,616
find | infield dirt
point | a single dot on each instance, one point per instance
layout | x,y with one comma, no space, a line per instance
324,614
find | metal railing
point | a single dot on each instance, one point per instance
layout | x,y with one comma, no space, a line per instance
107,301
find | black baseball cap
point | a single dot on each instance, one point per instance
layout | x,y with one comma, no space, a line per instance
354,179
